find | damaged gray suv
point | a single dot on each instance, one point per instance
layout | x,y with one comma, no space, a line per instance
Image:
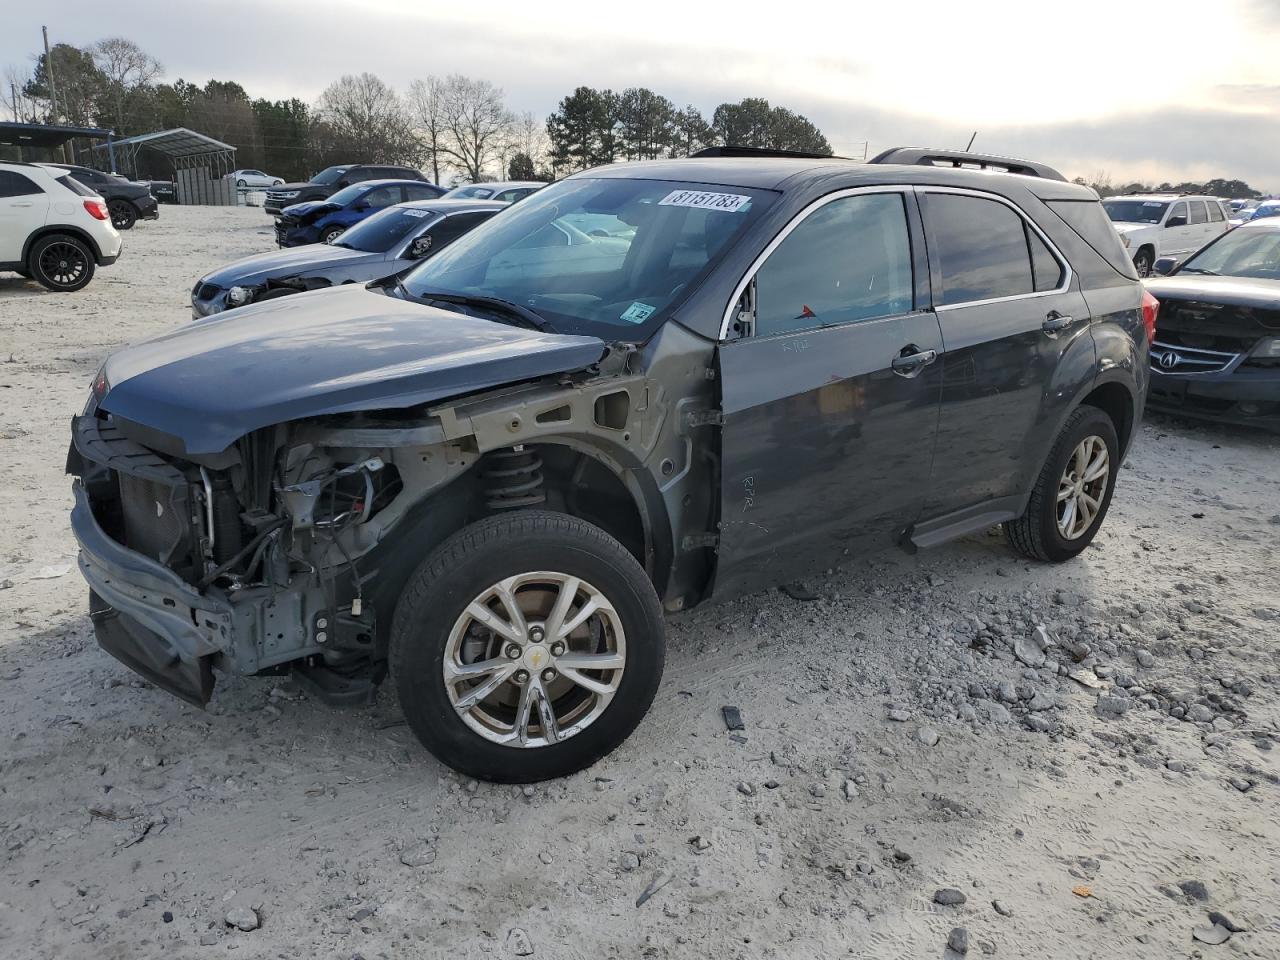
641,388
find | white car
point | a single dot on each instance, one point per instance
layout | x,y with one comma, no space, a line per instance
1155,225
53,229
253,178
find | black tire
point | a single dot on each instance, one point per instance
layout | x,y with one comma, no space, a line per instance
331,234
1036,534
123,214
1142,262
60,262
241,183
460,570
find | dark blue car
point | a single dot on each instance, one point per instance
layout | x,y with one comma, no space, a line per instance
323,221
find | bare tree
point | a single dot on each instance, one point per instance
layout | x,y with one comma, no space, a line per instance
126,68
368,117
531,138
477,125
426,103
14,97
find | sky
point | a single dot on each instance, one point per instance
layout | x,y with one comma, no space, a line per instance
1178,90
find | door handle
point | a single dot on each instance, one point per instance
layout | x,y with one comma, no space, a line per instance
1055,322
911,360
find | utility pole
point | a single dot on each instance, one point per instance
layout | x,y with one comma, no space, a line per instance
53,87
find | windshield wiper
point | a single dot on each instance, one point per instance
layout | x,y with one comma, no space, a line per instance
526,316
1211,273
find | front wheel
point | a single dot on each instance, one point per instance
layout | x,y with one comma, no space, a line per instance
241,183
123,214
1142,262
526,646
60,262
1073,491
332,233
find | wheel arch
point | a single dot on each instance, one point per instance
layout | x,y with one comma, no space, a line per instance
52,229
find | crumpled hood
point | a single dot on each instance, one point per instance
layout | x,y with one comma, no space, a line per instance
308,209
328,351
284,263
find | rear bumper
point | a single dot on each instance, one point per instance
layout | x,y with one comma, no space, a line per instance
146,616
148,208
1248,398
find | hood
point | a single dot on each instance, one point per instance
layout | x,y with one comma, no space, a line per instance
284,263
328,351
1123,228
1262,296
293,186
308,208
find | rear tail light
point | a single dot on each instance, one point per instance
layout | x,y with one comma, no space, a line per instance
1150,309
97,209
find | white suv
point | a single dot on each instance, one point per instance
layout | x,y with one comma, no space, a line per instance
1155,225
53,229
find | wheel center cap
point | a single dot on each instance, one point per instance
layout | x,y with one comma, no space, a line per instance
536,656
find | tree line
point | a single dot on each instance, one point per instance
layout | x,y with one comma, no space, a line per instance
1217,187
454,127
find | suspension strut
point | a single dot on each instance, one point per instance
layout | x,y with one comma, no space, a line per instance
513,478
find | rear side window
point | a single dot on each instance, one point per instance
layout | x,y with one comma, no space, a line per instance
981,246
453,227
421,191
16,185
1215,212
849,260
1045,268
75,186
1090,222
1198,213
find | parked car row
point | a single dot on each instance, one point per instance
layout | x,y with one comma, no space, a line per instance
1153,225
485,477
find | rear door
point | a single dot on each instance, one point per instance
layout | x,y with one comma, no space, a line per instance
1199,219
829,391
1178,236
1009,309
24,206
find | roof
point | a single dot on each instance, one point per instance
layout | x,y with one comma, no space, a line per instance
46,134
1170,197
453,206
178,142
787,173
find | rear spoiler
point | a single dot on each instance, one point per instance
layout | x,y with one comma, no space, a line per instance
927,157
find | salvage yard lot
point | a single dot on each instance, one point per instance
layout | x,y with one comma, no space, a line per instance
904,734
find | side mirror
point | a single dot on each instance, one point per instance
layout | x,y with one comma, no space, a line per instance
1165,266
1176,222
420,248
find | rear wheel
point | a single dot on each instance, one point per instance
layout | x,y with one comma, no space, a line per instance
526,647
1073,491
1142,262
123,214
60,262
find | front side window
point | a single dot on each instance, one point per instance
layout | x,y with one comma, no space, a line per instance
382,231
16,185
1177,216
618,285
982,247
847,261
381,197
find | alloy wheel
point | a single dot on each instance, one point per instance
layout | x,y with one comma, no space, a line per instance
1083,487
534,659
63,263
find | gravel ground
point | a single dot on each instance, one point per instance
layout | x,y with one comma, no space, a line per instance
921,764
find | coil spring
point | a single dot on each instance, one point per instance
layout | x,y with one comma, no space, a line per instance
513,478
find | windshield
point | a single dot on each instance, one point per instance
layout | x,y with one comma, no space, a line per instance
329,175
608,284
1135,211
385,229
1244,252
474,192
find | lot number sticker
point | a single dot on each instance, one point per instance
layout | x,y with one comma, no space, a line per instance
724,202
637,313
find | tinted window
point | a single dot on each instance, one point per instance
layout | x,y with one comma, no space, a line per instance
981,246
422,191
329,175
1179,210
1198,212
16,185
380,232
849,260
514,194
75,186
1215,212
443,234
1044,265
1087,219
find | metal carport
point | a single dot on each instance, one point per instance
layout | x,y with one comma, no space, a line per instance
200,163
49,136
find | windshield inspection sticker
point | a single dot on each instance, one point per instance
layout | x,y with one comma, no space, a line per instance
724,202
637,313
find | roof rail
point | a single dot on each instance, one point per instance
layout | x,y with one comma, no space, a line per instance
925,156
730,151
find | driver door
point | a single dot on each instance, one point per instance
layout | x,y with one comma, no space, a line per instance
830,402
